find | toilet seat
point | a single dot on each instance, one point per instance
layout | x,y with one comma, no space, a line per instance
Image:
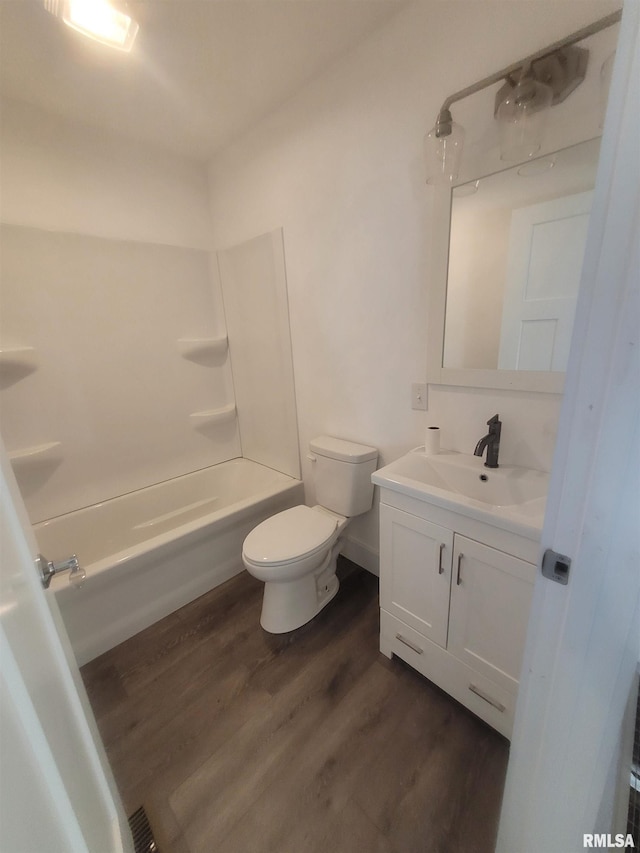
289,536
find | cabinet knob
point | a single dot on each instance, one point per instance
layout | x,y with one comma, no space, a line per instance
440,566
458,578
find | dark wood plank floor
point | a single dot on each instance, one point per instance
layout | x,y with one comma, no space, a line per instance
236,741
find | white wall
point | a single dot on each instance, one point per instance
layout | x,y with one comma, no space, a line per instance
64,176
105,267
339,168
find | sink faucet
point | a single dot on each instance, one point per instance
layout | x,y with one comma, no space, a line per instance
491,441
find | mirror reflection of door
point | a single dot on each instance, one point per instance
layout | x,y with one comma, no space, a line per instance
546,247
516,244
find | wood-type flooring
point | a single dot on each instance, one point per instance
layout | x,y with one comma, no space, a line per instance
237,741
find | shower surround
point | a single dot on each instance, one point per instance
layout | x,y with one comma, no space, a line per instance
123,422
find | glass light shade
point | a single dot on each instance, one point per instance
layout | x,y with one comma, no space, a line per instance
522,116
98,20
605,82
442,154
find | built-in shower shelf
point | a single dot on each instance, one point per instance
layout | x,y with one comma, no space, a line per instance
200,349
212,417
17,362
35,454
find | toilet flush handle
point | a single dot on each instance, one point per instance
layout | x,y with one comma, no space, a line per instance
311,457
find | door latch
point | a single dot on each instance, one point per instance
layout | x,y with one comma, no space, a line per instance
47,569
556,566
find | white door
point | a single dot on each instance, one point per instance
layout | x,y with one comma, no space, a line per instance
546,247
583,640
56,789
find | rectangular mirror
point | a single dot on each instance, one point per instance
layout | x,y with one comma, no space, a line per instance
515,242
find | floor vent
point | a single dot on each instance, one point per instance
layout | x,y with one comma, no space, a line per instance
143,840
633,822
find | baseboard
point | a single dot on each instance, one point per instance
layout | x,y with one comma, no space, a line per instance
361,554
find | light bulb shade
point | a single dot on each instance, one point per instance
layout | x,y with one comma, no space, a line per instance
443,153
605,82
98,20
522,117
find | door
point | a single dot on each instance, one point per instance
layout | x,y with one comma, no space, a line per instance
490,602
546,247
583,642
415,572
56,789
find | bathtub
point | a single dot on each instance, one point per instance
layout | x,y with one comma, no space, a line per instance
149,552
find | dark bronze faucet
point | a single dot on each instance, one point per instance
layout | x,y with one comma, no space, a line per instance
491,441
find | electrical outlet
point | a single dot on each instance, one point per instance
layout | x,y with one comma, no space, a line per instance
419,396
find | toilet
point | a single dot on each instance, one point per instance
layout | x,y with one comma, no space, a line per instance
295,551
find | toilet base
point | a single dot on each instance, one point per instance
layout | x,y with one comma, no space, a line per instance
291,604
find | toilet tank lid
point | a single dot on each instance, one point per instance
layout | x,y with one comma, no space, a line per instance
345,451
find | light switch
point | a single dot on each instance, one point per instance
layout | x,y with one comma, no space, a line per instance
419,396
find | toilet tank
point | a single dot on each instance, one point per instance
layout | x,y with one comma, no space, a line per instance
343,472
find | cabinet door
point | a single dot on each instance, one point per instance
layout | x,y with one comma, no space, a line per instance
415,572
490,600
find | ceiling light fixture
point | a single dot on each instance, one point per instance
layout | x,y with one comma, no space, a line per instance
98,20
531,87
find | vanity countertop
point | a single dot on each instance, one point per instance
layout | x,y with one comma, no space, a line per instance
508,497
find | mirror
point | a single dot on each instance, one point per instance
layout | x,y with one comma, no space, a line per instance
516,241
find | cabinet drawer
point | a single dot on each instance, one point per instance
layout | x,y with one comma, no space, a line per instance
397,638
488,700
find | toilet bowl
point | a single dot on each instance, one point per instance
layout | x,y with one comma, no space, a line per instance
295,551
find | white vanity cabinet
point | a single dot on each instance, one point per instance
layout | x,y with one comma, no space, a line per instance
455,595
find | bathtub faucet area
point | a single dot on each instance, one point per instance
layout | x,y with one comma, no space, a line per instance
47,570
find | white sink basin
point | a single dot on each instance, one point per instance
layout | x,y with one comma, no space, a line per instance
461,481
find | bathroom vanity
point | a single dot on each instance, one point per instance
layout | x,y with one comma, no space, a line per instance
458,552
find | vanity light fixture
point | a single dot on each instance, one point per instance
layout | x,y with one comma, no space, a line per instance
605,81
99,20
443,149
531,87
522,114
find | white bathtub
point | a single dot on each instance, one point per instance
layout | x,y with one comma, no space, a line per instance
151,551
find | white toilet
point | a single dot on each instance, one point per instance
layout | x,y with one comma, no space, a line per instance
295,551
